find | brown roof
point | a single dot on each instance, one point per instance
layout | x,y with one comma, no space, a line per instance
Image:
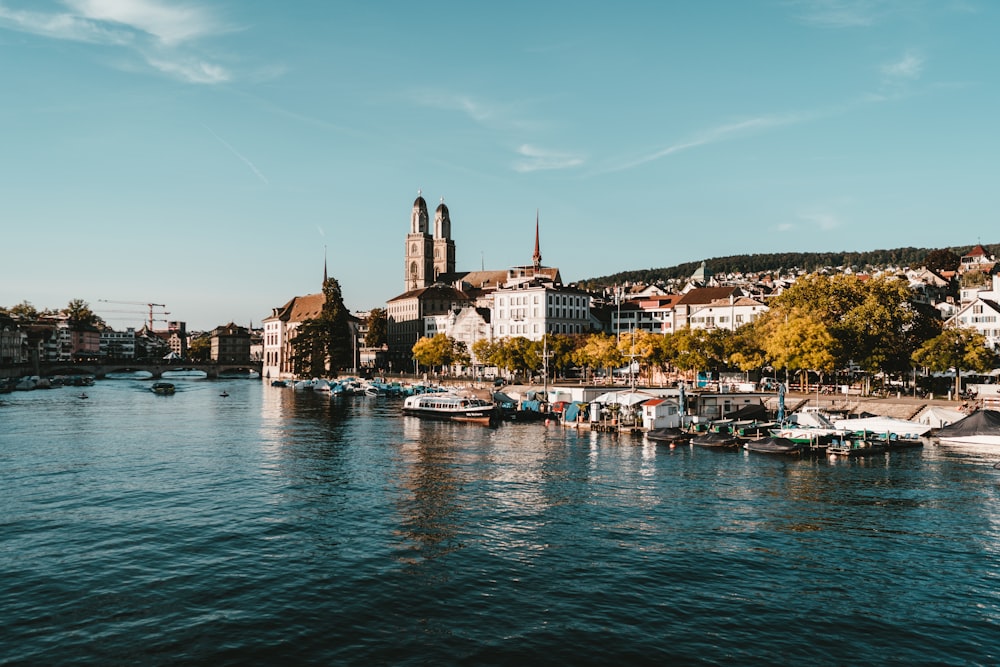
302,308
978,251
704,295
739,301
660,301
433,292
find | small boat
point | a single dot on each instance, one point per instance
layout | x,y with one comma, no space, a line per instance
451,407
716,441
775,445
224,393
854,445
671,435
163,388
82,396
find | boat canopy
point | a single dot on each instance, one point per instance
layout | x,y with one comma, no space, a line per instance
981,422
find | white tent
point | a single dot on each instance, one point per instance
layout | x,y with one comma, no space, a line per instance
625,397
936,417
901,427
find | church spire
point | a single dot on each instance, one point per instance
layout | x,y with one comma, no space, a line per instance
536,259
324,266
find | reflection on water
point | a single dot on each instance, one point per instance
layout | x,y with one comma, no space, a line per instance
200,528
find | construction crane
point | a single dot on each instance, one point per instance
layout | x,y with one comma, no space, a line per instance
139,303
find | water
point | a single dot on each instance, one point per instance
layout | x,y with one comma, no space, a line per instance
274,527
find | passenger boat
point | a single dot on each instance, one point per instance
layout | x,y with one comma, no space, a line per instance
162,388
451,407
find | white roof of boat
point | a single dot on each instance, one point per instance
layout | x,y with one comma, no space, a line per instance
883,425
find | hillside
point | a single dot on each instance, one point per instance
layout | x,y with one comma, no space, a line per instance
781,262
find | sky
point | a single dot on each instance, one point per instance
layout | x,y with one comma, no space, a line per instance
208,155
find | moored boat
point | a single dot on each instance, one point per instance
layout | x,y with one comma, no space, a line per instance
716,441
854,445
775,445
451,407
163,388
671,435
979,429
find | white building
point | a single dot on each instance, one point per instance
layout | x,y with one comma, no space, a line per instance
983,315
729,314
535,307
118,344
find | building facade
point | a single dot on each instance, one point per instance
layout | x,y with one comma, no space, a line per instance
230,344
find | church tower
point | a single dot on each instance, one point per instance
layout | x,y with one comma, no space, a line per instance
419,248
444,247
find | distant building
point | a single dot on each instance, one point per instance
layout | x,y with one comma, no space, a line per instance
982,313
13,341
230,344
977,259
280,329
118,344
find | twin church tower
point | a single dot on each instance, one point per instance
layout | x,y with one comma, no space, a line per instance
428,255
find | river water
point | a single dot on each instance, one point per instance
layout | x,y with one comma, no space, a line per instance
269,526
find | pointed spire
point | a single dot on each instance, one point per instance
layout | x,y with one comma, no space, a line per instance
324,265
536,259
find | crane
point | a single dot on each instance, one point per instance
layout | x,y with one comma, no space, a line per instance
140,303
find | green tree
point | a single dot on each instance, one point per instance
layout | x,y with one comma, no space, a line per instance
958,350
744,349
942,260
599,351
693,350
378,328
801,343
434,352
24,311
325,343
486,352
78,311
200,348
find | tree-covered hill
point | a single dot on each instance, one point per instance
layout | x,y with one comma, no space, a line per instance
782,262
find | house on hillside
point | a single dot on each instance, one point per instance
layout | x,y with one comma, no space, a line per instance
977,259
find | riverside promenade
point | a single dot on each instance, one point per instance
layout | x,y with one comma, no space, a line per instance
898,406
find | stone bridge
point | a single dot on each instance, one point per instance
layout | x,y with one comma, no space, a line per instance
155,368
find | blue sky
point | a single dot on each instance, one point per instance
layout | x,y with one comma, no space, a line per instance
202,154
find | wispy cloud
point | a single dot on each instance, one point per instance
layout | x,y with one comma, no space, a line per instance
538,159
168,23
715,135
842,13
160,34
910,66
484,112
823,220
239,155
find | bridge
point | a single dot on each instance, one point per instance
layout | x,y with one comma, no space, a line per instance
156,368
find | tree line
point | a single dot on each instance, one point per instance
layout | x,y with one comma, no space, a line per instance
820,325
775,263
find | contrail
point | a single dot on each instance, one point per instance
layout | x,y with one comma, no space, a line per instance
237,154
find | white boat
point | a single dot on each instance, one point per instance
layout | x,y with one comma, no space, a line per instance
451,407
980,429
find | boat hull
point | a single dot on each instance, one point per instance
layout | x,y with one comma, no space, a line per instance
454,408
485,418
